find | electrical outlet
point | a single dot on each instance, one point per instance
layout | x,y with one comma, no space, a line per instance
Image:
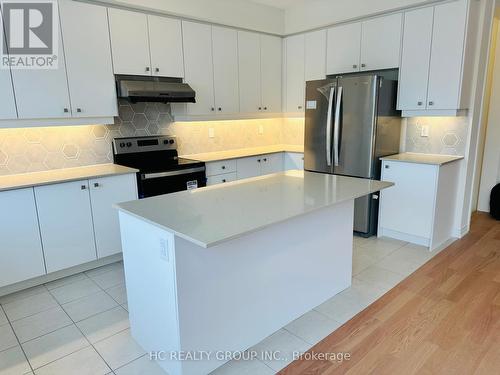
211,132
261,129
425,131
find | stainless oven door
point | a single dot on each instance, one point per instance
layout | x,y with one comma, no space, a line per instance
158,183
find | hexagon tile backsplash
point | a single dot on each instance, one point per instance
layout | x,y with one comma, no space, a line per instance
447,135
39,149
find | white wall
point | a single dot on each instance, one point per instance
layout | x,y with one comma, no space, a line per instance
310,14
238,13
490,174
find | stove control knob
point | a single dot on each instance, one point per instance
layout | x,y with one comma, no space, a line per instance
165,142
129,144
122,144
171,141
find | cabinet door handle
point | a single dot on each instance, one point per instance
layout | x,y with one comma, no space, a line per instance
363,65
157,70
96,184
420,103
147,68
354,66
258,160
265,159
79,110
220,109
386,166
83,187
265,108
224,180
431,103
212,109
260,108
223,167
300,107
66,110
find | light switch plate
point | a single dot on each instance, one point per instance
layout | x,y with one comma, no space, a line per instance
211,132
261,129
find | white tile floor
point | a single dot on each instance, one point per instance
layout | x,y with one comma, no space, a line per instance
79,325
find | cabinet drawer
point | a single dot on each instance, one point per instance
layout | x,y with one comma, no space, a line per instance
221,178
220,167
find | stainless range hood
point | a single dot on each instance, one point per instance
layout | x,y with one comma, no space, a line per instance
154,89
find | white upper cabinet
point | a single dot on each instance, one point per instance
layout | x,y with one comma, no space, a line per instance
381,42
88,59
8,107
415,56
225,60
295,73
271,62
165,41
437,59
315,55
129,42
249,71
445,73
343,48
43,93
198,64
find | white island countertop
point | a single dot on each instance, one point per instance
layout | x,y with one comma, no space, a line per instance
215,214
413,157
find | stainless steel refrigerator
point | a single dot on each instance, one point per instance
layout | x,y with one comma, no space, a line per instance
350,122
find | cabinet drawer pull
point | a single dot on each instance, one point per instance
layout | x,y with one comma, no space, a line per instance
431,103
363,65
224,180
386,166
212,109
220,109
420,103
83,187
66,110
265,159
147,68
157,70
265,108
79,110
223,167
354,66
258,160
96,184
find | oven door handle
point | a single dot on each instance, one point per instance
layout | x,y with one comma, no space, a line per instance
149,176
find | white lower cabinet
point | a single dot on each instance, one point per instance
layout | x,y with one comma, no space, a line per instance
254,166
21,255
221,178
293,160
104,193
66,224
419,208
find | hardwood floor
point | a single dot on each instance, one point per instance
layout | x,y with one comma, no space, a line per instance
442,319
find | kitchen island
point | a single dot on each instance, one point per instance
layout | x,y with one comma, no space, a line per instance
220,268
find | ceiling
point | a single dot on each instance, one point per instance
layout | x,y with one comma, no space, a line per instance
281,4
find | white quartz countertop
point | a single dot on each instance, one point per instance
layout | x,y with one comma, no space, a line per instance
411,157
243,152
24,180
211,215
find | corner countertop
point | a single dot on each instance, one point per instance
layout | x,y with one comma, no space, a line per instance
412,157
25,180
244,152
207,216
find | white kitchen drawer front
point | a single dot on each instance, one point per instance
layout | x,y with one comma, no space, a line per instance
408,206
66,227
21,256
104,193
220,167
222,178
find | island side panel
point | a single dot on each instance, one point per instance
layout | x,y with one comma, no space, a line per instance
149,259
233,295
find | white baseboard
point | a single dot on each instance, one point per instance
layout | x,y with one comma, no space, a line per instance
417,240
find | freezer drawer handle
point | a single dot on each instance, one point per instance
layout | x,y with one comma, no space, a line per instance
149,176
329,128
336,130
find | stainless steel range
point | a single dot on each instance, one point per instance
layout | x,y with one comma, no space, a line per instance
161,171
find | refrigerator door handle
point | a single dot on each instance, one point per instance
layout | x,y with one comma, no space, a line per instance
336,128
329,128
